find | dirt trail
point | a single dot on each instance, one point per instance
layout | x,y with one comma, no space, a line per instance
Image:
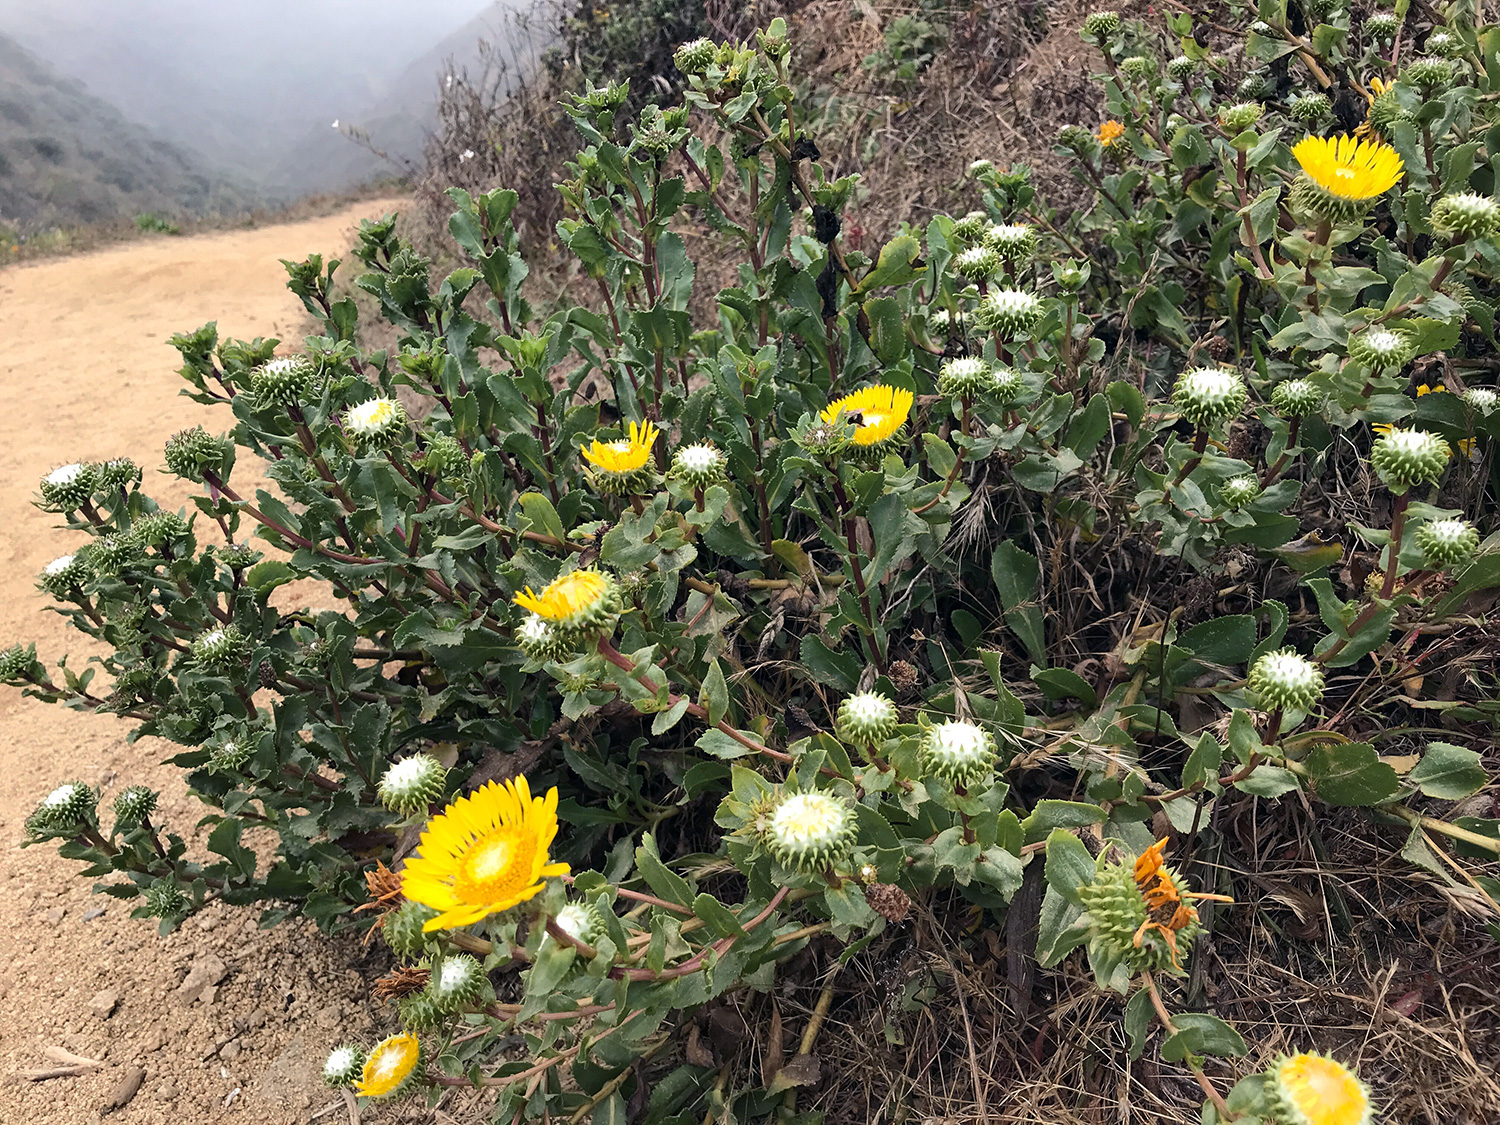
86,374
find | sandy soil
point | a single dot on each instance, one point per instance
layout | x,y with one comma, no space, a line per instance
85,374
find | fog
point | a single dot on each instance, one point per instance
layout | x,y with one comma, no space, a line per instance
247,84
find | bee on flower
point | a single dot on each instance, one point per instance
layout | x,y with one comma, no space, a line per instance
878,415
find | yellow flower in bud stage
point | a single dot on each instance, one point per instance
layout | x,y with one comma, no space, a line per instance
389,1066
574,600
1110,132
1349,169
876,412
485,853
628,455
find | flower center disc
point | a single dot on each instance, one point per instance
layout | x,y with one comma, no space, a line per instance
1325,1092
497,863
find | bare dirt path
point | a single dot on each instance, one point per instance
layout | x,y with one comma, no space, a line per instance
86,374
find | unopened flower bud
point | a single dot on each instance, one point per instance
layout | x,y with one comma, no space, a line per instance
1285,681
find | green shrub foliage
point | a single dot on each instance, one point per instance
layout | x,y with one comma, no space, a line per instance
861,539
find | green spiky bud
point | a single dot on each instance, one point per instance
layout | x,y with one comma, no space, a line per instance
64,574
1428,73
1238,491
283,381
239,556
964,377
1482,399
376,424
221,649
1461,215
1382,349
1447,542
1015,242
1006,385
1207,396
402,929
118,473
1386,110
809,831
343,1065
1444,44
1252,87
444,458
1314,1089
1101,25
1117,916
977,263
942,322
1403,458
134,804
15,662
1180,69
866,717
410,786
1296,398
1240,116
230,755
64,811
970,229
698,465
581,921
456,983
1010,312
695,57
1285,681
1138,68
1382,25
539,640
420,1012
978,169
1311,107
159,529
960,753
110,554
69,487
189,452
164,899
1075,137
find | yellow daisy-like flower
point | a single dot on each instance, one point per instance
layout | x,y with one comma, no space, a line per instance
388,1066
627,455
484,853
1349,168
1321,1090
878,412
1424,389
1110,132
568,599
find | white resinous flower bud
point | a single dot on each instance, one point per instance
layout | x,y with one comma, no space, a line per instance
809,831
960,753
411,785
1286,681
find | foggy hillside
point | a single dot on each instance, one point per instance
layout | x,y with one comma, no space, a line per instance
68,157
254,86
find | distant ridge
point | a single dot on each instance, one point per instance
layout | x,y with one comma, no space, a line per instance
67,157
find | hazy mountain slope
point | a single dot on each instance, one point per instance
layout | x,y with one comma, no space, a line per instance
253,86
69,157
399,119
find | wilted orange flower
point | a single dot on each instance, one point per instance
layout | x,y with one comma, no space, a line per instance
1166,910
1110,132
